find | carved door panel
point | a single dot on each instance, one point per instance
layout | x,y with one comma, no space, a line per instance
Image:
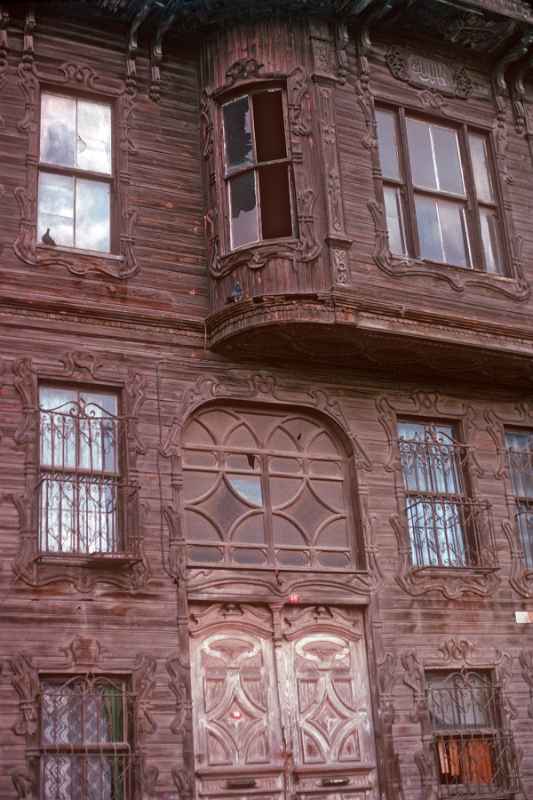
236,724
275,722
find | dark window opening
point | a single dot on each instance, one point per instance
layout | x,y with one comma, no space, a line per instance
257,168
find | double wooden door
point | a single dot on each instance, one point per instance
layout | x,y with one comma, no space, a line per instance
281,704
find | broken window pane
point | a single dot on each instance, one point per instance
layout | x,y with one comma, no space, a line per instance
93,141
56,208
92,215
388,145
238,133
269,126
58,130
243,204
275,201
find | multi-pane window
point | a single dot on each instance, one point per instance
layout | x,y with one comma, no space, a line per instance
439,192
520,458
75,173
84,740
437,508
257,168
265,489
474,756
79,477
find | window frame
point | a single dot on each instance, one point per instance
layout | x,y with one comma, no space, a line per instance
518,500
463,499
124,749
472,204
111,178
122,547
493,732
228,173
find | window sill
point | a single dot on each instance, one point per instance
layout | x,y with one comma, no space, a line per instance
95,560
74,251
288,240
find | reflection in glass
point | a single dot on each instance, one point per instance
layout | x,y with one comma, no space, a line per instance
92,215
395,223
94,136
248,488
388,145
447,159
421,154
490,236
58,130
56,208
243,205
442,231
480,166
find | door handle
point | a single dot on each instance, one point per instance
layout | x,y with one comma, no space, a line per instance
340,781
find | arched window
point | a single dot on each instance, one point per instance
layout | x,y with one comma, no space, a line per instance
266,488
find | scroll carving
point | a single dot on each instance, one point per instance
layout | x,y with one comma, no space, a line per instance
243,70
396,266
25,784
526,662
83,651
143,685
178,687
25,680
452,582
30,566
26,247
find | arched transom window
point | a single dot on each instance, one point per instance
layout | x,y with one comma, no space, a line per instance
265,488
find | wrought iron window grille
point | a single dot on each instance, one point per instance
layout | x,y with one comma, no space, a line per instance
85,739
81,487
474,754
519,453
447,528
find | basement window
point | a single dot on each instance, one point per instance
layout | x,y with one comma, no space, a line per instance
257,168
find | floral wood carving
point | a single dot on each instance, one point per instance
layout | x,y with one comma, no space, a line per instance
458,280
25,785
243,70
178,687
147,776
132,572
183,782
83,652
143,685
123,95
424,73
25,680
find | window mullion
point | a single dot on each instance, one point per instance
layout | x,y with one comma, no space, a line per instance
412,226
472,203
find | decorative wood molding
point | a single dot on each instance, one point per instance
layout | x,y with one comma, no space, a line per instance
429,73
25,680
123,95
130,573
244,69
452,582
457,278
526,662
519,415
83,651
179,688
143,686
25,784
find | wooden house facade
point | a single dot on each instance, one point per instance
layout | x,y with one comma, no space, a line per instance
266,415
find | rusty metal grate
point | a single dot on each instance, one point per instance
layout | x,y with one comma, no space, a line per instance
446,527
84,748
474,756
80,484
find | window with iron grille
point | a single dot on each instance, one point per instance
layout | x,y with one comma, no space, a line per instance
440,192
85,739
474,754
520,459
79,475
445,525
257,167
